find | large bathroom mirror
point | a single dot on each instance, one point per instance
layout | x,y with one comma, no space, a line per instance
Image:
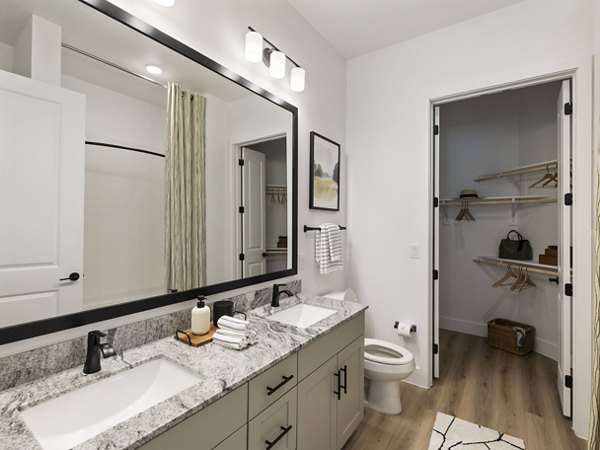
124,190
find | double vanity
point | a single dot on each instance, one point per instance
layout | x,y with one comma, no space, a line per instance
300,386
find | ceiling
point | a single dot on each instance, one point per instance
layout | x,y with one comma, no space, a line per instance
356,27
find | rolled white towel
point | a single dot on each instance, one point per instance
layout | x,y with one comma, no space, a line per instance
232,333
229,345
235,342
232,323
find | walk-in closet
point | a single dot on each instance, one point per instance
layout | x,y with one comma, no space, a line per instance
502,168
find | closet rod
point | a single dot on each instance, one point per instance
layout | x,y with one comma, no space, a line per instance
482,201
122,147
307,228
109,63
539,167
506,265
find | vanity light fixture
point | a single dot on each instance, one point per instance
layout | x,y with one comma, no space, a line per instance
153,69
167,3
273,58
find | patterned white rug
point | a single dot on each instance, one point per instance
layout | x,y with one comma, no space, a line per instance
450,432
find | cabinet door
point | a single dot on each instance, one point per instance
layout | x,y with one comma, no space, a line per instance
275,427
317,409
350,407
237,441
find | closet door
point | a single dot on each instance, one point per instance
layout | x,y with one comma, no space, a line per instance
436,246
564,247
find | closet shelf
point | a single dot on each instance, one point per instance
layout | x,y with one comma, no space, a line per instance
514,200
533,267
533,168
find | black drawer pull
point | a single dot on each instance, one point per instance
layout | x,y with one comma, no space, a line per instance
284,431
270,390
345,385
339,388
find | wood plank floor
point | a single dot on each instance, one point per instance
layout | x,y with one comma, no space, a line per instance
513,394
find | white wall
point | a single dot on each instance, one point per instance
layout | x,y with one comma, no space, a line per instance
483,135
388,135
124,252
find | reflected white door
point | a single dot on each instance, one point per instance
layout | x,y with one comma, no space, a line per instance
564,248
254,234
41,192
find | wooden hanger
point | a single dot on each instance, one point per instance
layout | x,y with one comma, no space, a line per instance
546,179
527,282
464,213
502,281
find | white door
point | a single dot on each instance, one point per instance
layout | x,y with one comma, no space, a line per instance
254,233
436,244
564,247
41,195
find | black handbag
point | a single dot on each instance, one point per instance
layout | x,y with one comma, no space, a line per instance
515,249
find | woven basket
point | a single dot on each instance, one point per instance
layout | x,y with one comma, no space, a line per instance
501,335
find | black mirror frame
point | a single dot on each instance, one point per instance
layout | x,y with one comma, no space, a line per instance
46,326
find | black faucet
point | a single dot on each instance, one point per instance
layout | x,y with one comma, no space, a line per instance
95,348
277,293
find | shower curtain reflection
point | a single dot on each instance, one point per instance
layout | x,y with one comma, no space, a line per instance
185,190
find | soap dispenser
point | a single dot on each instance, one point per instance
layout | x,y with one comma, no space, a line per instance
200,317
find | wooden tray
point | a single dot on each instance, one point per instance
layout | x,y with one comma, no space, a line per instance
187,337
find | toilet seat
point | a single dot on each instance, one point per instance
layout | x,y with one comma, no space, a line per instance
386,353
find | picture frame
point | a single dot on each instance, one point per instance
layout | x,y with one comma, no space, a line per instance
325,161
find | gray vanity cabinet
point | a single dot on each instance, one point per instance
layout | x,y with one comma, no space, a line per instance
210,427
275,427
331,397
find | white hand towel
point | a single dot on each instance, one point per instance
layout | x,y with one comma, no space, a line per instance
232,323
328,248
232,333
237,343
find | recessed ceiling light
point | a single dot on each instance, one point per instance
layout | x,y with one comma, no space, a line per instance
165,2
153,69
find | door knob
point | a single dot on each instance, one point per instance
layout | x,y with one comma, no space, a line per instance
73,276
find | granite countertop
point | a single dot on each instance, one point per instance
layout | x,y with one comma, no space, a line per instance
222,370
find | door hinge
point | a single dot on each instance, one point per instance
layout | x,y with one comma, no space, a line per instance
568,199
436,130
569,381
241,209
436,349
569,290
242,256
568,109
436,202
436,274
241,161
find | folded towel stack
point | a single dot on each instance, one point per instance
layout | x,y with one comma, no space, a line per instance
233,333
328,248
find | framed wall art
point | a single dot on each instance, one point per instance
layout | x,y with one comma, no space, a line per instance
324,173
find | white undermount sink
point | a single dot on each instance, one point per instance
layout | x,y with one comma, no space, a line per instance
302,315
79,415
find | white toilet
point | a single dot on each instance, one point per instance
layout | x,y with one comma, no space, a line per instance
386,365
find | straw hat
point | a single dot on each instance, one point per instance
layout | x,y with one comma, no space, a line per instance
468,193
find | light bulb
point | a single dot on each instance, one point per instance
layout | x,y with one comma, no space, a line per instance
277,64
297,79
254,46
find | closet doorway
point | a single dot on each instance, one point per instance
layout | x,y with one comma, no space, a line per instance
502,163
261,204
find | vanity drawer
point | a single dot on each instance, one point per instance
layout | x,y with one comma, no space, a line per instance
208,427
275,427
272,384
318,352
237,441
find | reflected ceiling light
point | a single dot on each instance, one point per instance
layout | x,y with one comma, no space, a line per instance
166,3
153,69
273,58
